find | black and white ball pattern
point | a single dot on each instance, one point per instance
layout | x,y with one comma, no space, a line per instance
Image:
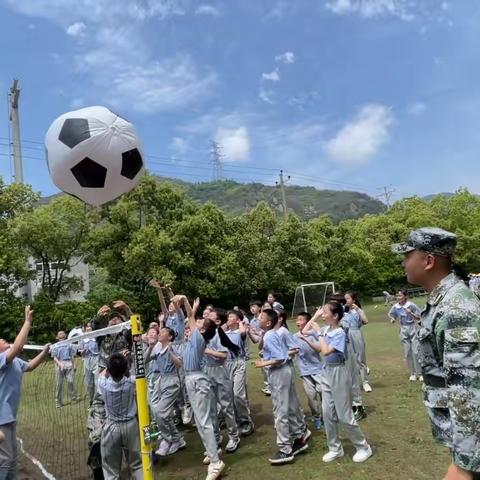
94,154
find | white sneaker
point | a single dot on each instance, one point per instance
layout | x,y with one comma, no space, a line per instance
206,460
362,454
420,378
413,378
331,456
163,448
232,445
186,415
215,470
176,446
367,387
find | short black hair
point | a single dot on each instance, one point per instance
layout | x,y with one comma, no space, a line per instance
272,316
238,313
221,315
306,315
117,366
256,302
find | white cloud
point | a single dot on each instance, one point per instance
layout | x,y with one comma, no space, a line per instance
372,8
273,76
416,108
361,138
179,146
235,144
287,57
280,9
266,96
116,58
207,10
76,29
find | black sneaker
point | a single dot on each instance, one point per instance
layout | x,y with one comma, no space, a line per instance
280,458
299,446
359,413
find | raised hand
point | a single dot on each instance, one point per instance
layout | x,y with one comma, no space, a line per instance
28,314
104,310
155,284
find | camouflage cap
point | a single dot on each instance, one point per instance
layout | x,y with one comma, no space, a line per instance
429,239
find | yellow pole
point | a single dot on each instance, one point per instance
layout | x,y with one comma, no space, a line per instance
142,402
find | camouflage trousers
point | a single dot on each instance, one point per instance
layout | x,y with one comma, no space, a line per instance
454,415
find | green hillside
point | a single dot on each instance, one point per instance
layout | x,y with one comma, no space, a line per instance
306,202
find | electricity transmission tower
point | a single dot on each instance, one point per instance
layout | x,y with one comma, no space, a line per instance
216,158
14,118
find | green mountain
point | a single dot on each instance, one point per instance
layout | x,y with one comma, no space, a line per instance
306,202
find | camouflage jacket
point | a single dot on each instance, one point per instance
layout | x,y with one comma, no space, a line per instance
449,355
108,344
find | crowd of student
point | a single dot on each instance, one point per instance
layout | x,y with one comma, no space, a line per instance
196,362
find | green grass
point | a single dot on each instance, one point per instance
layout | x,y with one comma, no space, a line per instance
396,426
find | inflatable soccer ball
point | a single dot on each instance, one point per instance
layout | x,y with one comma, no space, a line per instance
93,154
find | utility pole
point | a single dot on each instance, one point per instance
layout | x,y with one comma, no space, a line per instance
15,126
216,155
387,195
281,183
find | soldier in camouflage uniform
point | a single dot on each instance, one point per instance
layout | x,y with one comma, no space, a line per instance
449,348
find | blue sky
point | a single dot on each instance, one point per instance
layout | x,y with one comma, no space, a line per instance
354,94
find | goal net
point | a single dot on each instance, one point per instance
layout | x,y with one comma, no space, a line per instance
310,296
54,440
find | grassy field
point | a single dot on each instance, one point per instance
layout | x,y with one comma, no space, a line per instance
396,427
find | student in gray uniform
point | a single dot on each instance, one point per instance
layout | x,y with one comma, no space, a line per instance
215,357
237,371
255,334
353,307
88,348
290,440
296,415
198,385
310,365
151,371
120,434
164,359
408,314
336,388
11,374
64,358
174,318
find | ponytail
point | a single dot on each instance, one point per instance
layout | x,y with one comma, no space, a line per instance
227,343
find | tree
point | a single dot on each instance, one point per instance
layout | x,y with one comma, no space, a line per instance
15,199
55,235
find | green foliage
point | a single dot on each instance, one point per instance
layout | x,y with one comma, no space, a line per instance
55,233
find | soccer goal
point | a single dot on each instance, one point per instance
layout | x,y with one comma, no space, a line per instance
310,296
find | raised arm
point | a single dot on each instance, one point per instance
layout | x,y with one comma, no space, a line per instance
161,298
21,338
190,311
36,361
121,305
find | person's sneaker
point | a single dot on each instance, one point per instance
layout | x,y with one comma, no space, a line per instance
280,458
232,445
206,460
362,454
176,446
331,456
215,470
318,423
367,387
163,448
413,378
420,378
306,436
247,429
298,447
359,413
266,391
186,415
